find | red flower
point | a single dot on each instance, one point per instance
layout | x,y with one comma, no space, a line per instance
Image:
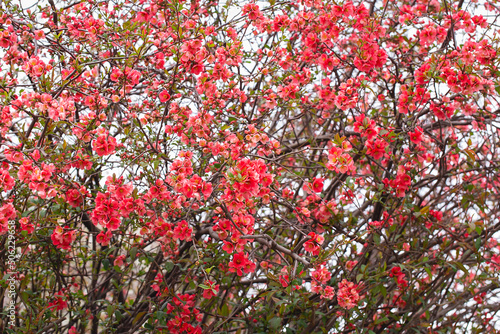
237,264
313,245
74,198
104,145
321,275
182,231
396,272
241,263
59,302
376,148
416,136
26,225
164,96
317,185
104,238
253,11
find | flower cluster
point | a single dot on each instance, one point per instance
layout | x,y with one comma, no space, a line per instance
401,183
104,144
339,160
6,181
366,127
320,277
184,311
370,57
399,276
60,300
114,204
376,148
35,67
63,237
313,245
210,289
7,212
248,178
348,294
240,264
37,178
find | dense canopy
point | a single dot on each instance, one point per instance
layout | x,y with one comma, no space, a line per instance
310,166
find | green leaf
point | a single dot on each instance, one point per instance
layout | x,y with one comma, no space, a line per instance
471,154
359,277
479,230
138,317
24,297
133,253
428,271
224,310
169,266
381,320
393,228
461,267
383,290
160,315
105,264
497,88
275,322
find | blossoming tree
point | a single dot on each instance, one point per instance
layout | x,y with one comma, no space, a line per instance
299,166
